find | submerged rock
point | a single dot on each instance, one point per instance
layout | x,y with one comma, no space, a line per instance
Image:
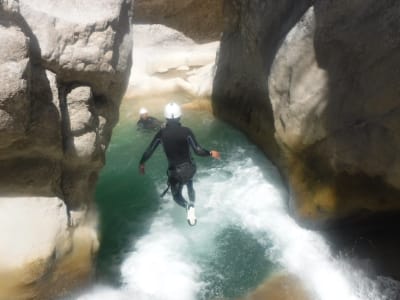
280,287
63,70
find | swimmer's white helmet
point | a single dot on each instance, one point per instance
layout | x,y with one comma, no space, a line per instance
143,111
172,111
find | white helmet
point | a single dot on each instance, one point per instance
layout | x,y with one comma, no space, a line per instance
143,111
172,111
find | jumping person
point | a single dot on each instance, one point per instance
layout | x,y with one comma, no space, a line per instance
147,122
177,141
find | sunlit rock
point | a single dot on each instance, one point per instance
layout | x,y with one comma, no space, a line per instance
79,103
14,87
34,235
298,86
64,67
200,20
166,61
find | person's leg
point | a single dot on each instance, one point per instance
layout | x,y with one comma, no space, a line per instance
191,192
191,217
176,190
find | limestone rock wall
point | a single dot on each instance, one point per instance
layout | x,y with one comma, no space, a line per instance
252,34
316,85
64,67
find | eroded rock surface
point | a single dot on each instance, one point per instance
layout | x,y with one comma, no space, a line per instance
200,20
315,84
166,62
63,70
252,34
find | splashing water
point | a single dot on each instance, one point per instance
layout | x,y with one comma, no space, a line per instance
170,260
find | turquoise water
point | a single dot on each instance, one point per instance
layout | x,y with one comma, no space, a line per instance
243,235
128,203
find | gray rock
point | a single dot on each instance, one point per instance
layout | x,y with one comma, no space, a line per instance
298,88
82,42
252,34
63,70
362,116
14,87
79,104
336,109
319,93
182,15
9,5
32,228
34,236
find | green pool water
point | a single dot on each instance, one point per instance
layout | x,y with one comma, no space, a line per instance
128,203
244,234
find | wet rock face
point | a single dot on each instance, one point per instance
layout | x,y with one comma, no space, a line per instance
319,93
200,20
63,70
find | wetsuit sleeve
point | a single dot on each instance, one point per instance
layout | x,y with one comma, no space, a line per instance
150,149
195,146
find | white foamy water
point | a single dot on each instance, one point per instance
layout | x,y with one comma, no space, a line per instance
163,264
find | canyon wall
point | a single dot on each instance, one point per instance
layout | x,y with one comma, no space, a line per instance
316,85
202,21
63,71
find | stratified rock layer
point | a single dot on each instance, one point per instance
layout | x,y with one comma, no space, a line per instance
63,70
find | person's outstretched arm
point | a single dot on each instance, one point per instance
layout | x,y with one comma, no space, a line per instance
200,150
149,151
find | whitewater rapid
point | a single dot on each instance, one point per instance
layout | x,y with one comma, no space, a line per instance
243,191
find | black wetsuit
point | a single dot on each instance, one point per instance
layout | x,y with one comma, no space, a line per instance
176,141
149,123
